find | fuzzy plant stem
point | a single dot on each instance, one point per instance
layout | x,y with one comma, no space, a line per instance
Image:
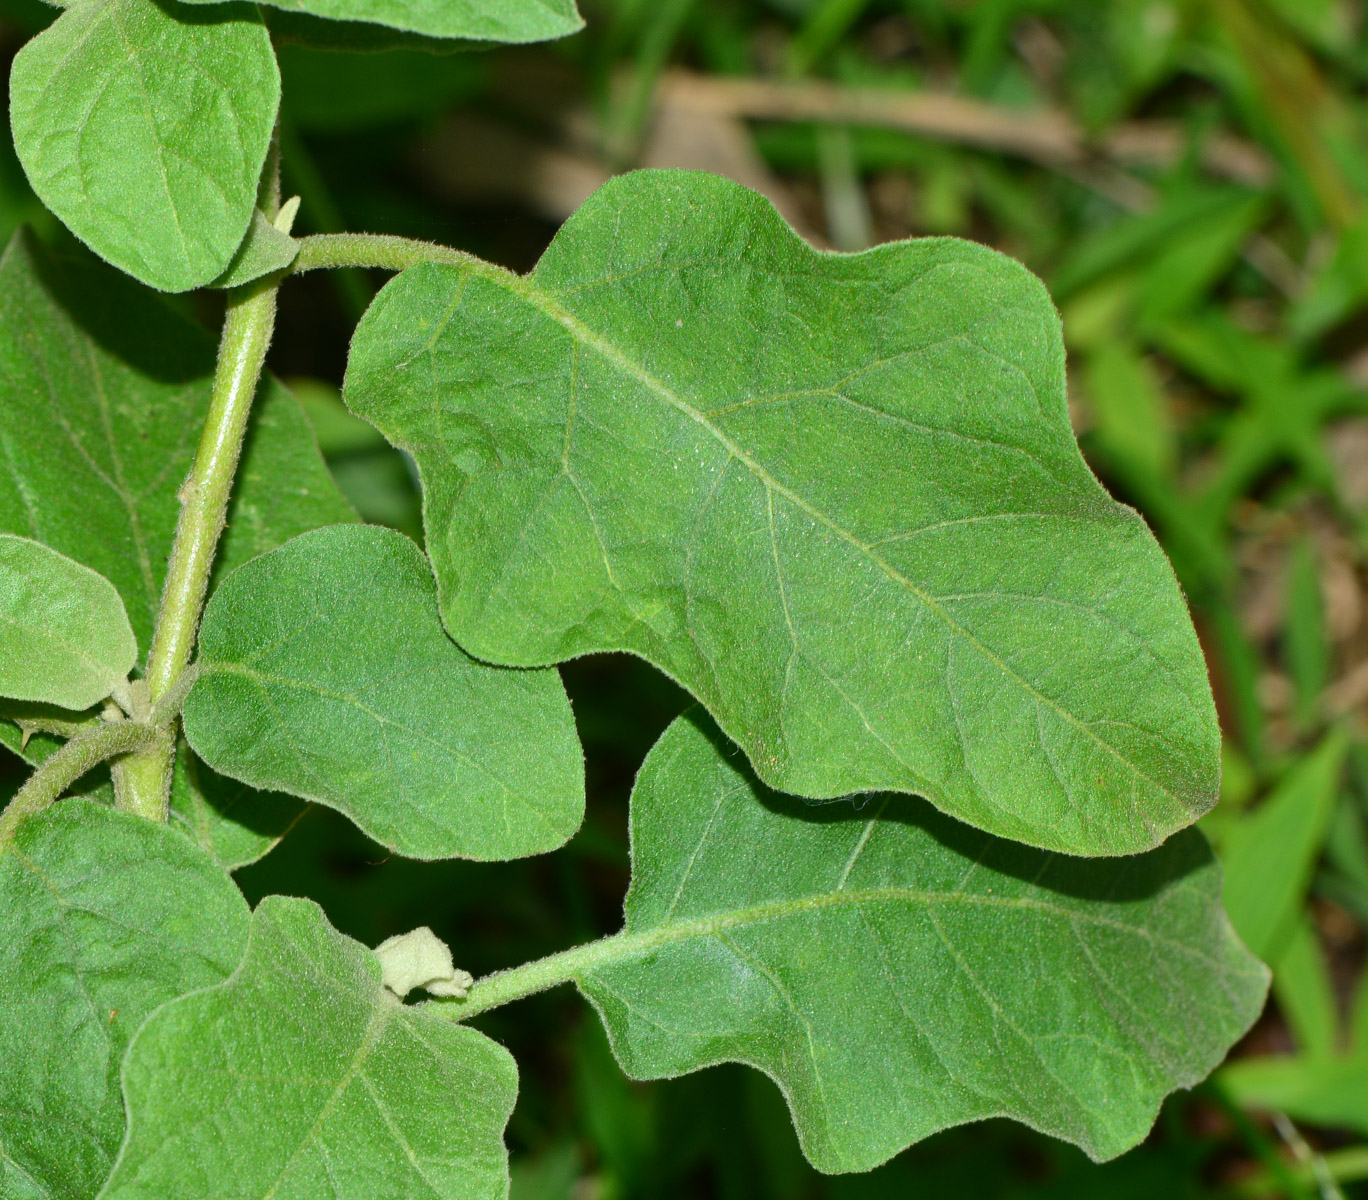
378,250
62,769
145,779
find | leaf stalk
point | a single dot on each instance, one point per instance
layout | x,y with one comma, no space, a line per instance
378,250
62,769
567,966
503,987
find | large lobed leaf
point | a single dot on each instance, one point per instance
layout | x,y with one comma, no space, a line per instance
64,634
836,496
144,124
325,672
896,972
106,917
303,1078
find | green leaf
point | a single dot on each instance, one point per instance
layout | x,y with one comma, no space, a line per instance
1306,646
1270,855
144,126
469,20
897,973
231,821
107,916
325,672
64,634
104,390
265,249
302,1077
837,497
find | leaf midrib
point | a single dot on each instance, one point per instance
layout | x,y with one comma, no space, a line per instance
630,945
379,1022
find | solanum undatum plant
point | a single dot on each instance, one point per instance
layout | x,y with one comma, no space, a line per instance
921,850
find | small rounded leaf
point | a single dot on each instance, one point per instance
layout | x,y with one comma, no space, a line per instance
144,124
325,672
263,250
64,635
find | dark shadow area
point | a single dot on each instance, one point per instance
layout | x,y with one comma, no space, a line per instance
130,322
1135,877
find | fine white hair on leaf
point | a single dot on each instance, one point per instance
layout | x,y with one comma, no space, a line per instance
420,959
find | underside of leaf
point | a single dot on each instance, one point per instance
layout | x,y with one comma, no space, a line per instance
496,21
325,672
106,917
303,1078
897,973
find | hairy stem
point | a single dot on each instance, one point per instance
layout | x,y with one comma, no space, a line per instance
568,966
504,987
377,250
68,764
247,330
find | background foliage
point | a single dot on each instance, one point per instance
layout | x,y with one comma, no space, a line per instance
1189,178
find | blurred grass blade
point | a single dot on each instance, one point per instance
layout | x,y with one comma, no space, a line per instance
1131,420
1305,991
1344,1166
1186,268
1358,1023
1306,648
1322,1091
1268,858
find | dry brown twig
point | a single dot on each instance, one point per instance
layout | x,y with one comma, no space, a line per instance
1049,137
692,112
1046,136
